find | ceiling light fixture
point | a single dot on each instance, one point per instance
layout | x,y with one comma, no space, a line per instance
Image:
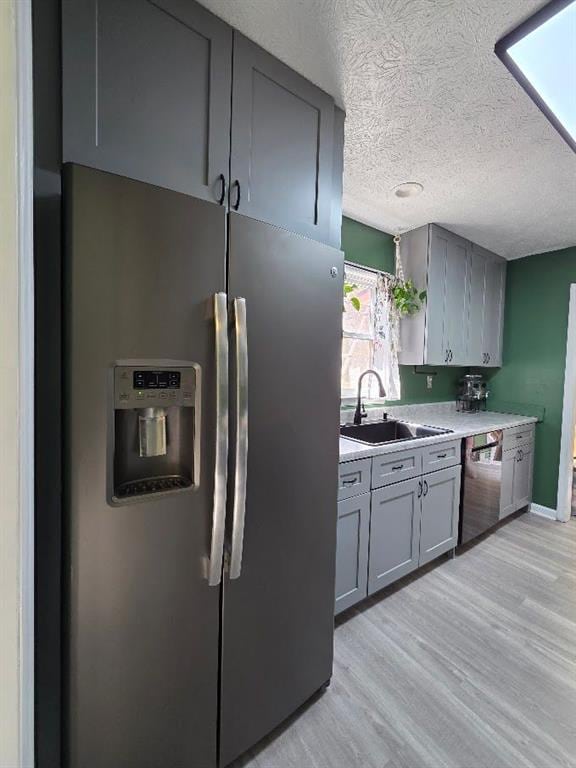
408,189
541,55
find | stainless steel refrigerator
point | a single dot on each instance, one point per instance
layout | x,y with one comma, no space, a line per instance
202,402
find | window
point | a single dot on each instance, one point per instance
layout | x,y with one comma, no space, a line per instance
358,329
541,54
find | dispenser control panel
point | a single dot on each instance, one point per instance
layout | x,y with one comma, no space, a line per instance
156,379
143,387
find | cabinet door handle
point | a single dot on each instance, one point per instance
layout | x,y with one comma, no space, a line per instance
420,488
400,466
355,481
441,455
222,180
488,357
236,185
425,488
446,357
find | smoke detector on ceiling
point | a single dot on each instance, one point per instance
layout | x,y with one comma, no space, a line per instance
408,189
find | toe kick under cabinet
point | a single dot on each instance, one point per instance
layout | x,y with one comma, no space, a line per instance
405,517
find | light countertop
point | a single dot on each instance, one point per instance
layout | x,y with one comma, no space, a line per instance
441,415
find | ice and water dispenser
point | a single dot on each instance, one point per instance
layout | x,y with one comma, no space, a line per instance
155,429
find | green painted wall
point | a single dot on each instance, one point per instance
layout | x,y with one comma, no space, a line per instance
534,354
373,248
367,246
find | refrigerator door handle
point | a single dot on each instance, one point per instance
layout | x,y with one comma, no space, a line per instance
241,458
221,462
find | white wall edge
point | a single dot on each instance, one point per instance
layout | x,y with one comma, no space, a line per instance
542,511
564,500
25,160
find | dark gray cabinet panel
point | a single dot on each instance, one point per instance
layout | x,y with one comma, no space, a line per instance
352,551
146,91
282,144
440,513
394,533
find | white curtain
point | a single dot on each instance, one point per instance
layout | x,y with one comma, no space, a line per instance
386,338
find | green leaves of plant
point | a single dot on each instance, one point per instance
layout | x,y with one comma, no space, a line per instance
406,297
354,300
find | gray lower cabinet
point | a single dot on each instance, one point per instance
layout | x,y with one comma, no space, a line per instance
517,475
440,513
352,551
410,517
394,533
146,92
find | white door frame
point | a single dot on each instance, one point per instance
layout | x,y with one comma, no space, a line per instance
25,182
564,501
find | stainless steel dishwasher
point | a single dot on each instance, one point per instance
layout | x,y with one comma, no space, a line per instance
482,482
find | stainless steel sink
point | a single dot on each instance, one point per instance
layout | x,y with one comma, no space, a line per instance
389,431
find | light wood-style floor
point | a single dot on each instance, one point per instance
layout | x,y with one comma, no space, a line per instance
471,665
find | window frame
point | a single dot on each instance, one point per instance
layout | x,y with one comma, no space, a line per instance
348,399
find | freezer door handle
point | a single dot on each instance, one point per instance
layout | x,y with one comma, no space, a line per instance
241,457
221,461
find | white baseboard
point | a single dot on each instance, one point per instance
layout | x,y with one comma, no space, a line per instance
542,511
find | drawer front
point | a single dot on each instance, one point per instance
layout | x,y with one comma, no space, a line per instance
517,436
441,455
394,467
353,478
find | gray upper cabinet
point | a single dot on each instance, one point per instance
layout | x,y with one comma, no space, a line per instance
493,317
447,266
283,135
146,92
440,513
394,533
462,321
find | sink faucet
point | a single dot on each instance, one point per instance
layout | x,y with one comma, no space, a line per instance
360,413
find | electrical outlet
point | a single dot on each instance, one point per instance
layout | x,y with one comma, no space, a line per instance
429,380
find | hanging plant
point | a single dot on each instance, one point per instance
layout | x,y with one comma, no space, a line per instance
407,299
349,288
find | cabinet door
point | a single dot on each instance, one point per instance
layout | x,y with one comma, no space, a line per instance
440,513
494,310
493,316
509,459
476,351
282,144
394,533
447,302
352,551
146,92
523,477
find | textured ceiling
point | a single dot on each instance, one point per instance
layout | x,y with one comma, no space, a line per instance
427,100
